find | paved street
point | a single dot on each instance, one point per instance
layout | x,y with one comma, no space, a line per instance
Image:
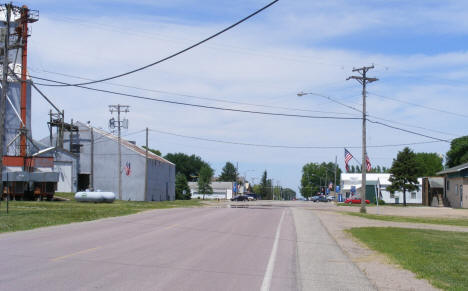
262,247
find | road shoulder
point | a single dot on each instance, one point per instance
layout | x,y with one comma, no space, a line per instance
381,272
322,265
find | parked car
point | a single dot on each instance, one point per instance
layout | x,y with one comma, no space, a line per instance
322,199
314,198
251,198
330,198
240,198
355,201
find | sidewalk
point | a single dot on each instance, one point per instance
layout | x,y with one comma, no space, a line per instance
322,265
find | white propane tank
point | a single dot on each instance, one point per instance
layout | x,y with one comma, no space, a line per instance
96,197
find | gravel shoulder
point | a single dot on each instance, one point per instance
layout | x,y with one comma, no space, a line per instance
382,273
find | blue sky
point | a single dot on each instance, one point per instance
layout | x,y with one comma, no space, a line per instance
418,48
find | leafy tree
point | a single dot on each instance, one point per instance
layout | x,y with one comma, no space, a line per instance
352,169
264,185
429,164
156,152
404,172
289,194
458,153
190,166
204,180
316,175
181,185
229,173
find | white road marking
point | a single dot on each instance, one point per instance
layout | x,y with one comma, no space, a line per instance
271,262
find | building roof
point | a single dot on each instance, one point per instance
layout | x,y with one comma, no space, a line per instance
436,182
131,146
458,168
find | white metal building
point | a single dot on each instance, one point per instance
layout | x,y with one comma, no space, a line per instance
98,167
380,182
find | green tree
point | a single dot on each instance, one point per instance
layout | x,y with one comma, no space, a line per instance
428,164
316,175
458,153
156,152
204,180
190,166
264,185
181,185
229,173
289,194
352,169
404,173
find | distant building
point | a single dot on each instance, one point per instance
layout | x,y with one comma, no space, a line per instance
97,167
433,192
221,190
456,180
376,186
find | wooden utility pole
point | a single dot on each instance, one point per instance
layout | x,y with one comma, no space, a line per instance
119,124
146,167
363,80
6,42
91,182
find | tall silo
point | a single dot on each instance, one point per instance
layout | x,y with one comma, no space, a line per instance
26,171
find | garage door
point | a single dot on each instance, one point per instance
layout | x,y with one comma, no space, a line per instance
65,183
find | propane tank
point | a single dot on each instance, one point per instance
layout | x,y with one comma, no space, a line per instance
95,196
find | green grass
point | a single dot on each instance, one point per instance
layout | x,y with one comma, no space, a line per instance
428,220
441,257
24,215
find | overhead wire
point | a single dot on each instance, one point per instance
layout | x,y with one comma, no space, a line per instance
240,110
420,105
381,118
174,54
196,97
199,105
284,146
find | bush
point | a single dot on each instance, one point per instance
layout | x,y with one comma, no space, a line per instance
381,202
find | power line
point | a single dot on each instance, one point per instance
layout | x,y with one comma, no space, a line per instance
200,106
233,109
420,105
175,54
197,97
284,146
373,116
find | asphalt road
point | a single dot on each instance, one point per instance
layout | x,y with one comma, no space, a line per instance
254,248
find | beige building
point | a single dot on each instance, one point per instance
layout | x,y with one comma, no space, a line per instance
456,185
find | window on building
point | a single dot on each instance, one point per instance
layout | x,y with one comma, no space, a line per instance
392,195
413,195
448,185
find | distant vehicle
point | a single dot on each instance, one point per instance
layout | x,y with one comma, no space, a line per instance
355,201
240,198
250,198
314,198
330,198
322,199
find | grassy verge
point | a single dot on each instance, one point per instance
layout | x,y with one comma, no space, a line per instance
428,220
441,257
24,215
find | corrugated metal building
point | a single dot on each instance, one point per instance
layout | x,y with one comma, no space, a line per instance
98,166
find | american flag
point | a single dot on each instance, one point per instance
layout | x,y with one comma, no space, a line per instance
347,157
368,164
128,168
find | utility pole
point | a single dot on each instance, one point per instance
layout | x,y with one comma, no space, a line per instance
6,43
119,124
146,167
334,182
91,182
363,80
